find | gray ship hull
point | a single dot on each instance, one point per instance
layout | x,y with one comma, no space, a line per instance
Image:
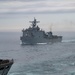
27,40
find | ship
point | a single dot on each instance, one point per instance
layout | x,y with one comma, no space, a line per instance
5,66
34,35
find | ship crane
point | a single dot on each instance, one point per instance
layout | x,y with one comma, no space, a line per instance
51,27
34,22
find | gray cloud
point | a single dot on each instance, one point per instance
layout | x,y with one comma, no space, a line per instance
22,0
36,6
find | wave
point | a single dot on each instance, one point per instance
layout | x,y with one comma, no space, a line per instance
70,40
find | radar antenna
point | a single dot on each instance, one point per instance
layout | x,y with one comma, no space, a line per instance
34,22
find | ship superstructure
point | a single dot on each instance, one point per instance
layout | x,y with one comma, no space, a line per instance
34,35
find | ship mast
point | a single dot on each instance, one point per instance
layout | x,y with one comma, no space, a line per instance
34,23
51,27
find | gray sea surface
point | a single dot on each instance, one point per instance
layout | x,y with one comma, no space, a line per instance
40,59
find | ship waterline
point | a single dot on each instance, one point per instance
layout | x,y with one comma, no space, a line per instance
41,40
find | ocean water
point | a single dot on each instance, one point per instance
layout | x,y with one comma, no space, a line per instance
40,59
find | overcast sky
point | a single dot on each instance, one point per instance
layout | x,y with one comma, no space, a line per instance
15,14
